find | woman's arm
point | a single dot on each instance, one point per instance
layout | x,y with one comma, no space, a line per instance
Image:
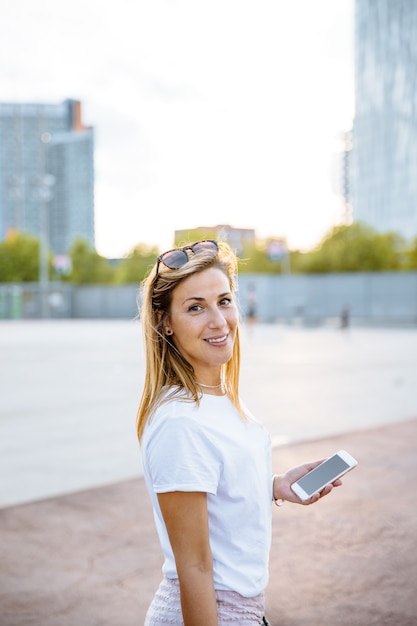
186,519
281,488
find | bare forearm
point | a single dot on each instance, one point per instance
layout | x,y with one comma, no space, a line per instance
186,518
198,599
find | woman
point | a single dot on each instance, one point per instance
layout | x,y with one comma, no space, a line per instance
207,460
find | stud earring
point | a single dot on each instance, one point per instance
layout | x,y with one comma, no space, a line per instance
168,331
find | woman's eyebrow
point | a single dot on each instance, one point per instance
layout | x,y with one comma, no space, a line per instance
198,298
201,299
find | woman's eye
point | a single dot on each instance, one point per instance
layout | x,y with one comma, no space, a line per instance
225,301
195,307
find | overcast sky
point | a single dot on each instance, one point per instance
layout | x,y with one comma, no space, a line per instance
220,112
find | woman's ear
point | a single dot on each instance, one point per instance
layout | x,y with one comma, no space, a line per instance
163,321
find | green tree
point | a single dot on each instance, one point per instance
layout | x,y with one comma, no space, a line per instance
136,265
391,250
255,259
411,256
353,248
19,258
88,267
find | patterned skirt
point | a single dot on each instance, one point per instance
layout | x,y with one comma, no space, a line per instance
232,608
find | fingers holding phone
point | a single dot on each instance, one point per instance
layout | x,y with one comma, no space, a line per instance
308,483
319,482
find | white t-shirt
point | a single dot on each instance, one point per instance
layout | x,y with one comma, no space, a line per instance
210,448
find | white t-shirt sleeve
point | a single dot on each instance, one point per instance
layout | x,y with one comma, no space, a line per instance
182,457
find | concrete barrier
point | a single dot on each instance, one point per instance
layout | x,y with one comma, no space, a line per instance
375,298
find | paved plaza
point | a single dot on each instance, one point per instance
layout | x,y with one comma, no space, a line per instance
70,390
89,555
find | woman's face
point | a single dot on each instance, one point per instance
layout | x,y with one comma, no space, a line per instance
204,318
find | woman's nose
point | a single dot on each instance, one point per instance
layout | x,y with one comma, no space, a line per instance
217,319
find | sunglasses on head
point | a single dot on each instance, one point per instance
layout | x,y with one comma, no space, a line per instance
176,258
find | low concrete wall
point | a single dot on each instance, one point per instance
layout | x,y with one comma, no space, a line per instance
62,300
95,301
377,298
374,298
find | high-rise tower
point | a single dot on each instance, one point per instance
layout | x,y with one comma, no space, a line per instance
46,173
384,155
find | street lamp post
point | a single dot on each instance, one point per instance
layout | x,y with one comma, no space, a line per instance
45,194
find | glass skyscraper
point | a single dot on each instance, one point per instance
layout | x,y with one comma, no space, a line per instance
46,173
384,155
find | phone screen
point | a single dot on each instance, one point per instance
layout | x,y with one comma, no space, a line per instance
314,480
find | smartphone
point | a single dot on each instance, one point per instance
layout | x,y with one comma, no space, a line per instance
327,472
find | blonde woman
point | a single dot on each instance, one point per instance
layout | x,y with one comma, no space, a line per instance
207,460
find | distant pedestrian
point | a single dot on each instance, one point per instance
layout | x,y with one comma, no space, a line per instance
251,311
344,317
206,459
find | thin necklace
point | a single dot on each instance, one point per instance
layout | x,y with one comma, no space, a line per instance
209,386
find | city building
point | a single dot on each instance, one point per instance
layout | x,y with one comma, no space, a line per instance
46,173
238,238
384,154
342,176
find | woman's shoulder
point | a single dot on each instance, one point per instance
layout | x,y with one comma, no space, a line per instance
173,399
172,404
175,420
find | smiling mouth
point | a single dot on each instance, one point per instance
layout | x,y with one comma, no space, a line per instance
217,339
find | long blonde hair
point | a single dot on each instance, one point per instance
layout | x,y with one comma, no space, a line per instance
166,368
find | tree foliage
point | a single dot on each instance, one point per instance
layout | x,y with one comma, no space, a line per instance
255,259
19,259
136,265
353,248
88,267
411,256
